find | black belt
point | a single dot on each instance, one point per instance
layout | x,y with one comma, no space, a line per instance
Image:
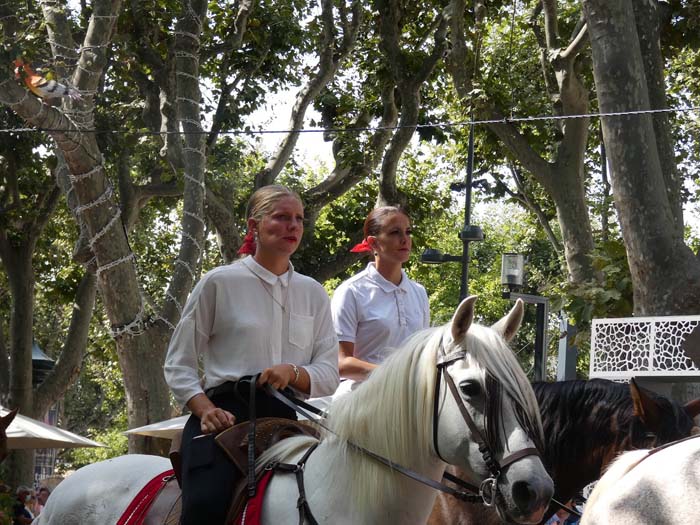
229,387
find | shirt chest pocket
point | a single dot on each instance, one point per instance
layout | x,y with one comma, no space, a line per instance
301,330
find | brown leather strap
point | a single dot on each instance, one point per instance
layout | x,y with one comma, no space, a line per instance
515,456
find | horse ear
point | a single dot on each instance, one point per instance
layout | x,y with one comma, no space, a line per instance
645,408
7,418
508,326
463,317
692,408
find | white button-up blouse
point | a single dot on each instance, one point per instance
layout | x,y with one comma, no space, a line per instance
377,315
242,318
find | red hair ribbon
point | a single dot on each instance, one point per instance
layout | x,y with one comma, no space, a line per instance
248,247
362,247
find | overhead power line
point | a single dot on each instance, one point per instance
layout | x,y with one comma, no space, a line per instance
441,125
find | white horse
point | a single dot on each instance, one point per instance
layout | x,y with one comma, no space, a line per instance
642,488
392,414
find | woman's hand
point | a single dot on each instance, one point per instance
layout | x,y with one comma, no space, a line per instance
278,376
216,419
212,418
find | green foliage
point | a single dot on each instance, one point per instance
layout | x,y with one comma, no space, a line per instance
612,297
6,504
116,445
96,406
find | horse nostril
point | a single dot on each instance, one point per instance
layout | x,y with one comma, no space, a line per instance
523,496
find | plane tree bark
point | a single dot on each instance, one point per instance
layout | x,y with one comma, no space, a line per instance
626,67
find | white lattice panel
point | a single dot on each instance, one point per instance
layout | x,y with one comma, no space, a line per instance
642,346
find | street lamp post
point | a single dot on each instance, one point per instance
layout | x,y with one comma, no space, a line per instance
469,233
512,278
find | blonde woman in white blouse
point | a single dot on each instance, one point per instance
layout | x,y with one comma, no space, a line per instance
254,316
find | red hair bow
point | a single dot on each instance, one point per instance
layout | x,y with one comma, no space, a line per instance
248,247
362,247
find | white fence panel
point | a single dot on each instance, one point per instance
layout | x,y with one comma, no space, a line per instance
643,346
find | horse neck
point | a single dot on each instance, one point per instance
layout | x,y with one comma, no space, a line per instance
374,492
581,440
391,415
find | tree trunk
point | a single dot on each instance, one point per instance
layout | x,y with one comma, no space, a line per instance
665,273
20,463
147,395
569,196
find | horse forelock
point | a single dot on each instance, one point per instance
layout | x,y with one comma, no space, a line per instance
504,380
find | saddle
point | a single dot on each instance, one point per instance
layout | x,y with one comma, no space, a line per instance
166,507
268,432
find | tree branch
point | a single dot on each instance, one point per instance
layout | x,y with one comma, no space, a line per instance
60,36
188,94
408,81
348,171
518,144
226,90
4,367
577,44
329,61
46,206
551,27
526,199
224,221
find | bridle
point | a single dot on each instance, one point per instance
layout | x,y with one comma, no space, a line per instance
488,488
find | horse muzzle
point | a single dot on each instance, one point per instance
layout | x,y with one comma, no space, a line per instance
525,501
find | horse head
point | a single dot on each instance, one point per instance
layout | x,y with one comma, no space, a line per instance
663,421
4,423
505,423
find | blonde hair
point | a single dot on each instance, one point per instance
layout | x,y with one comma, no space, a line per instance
263,200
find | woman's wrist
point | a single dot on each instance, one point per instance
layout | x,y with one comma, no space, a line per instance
295,372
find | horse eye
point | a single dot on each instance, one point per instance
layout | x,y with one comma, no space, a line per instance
470,388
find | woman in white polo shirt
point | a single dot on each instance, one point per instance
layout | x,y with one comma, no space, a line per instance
254,316
377,309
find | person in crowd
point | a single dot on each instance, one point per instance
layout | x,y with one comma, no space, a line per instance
377,309
32,504
560,516
255,316
41,498
20,514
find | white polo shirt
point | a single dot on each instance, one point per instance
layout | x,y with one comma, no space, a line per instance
236,327
377,315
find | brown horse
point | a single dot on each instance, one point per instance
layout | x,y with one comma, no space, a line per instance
4,423
586,425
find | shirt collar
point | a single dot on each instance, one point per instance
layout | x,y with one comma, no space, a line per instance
265,274
385,284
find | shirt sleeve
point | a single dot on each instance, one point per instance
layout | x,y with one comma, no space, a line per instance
344,310
189,340
323,368
426,306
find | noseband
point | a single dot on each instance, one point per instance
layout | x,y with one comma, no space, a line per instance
488,489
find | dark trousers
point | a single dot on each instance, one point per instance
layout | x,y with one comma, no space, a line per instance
208,475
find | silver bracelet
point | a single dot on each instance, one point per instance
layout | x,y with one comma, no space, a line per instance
296,373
